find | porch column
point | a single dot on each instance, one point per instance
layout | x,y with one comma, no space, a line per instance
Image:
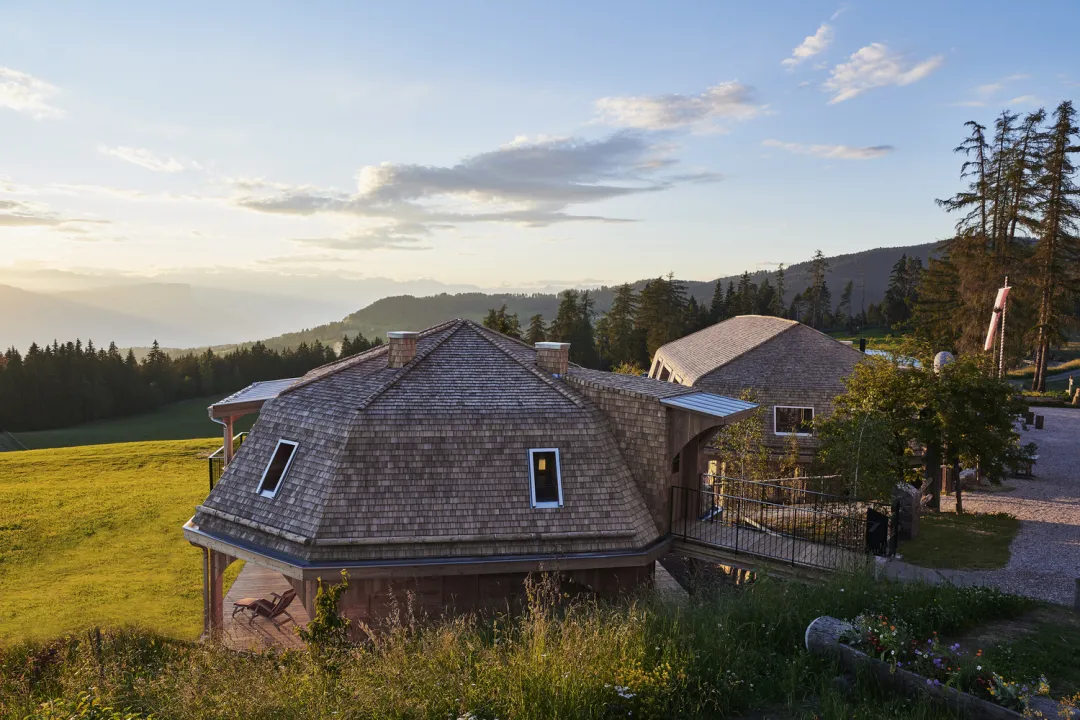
214,595
228,440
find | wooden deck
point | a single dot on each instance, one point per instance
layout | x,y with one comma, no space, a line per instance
258,582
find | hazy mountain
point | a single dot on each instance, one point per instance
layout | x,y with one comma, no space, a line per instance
27,317
227,309
869,270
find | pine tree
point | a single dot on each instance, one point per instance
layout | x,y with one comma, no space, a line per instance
1057,254
535,333
622,340
661,311
778,299
717,311
843,309
817,297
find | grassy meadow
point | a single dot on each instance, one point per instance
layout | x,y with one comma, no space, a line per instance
91,536
178,421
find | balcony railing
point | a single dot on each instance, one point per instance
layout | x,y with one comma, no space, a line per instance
783,521
216,461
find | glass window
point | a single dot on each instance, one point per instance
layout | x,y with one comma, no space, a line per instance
664,372
277,468
793,420
546,478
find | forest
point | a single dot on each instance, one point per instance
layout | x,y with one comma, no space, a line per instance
60,385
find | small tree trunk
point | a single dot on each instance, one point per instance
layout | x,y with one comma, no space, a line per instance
932,473
959,489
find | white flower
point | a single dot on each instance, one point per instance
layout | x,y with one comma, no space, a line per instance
978,667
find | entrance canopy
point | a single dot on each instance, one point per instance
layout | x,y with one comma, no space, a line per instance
249,400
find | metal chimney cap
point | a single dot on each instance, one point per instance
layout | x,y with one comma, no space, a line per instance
402,334
552,345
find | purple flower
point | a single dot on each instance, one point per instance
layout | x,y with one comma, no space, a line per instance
955,647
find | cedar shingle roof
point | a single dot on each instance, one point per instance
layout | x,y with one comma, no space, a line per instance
698,354
431,460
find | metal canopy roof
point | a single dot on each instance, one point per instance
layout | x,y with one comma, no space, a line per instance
250,399
704,403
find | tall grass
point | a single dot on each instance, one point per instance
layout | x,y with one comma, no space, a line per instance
719,654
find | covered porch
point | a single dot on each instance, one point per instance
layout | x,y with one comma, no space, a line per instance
239,632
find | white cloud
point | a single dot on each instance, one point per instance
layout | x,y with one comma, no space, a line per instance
530,183
875,66
143,158
811,46
832,152
1024,100
397,236
728,101
25,93
15,213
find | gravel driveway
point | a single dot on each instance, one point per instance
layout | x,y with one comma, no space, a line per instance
1045,558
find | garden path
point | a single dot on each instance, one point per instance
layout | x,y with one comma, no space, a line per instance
1045,555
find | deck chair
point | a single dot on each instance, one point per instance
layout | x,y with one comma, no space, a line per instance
267,609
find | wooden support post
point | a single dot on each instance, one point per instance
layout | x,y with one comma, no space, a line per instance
215,578
228,440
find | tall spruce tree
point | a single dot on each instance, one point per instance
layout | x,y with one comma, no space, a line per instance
536,332
1057,254
779,309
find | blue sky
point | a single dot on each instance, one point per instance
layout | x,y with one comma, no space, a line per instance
497,144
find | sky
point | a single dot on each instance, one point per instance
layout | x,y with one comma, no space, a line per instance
497,144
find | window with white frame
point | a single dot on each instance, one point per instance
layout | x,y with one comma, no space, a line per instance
793,420
277,468
664,372
545,478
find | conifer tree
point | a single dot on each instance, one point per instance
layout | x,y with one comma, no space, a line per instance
535,333
779,309
716,307
1057,254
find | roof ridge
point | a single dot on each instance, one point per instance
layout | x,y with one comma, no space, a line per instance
408,367
347,362
560,387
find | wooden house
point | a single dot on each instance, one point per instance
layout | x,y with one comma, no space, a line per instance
793,370
450,464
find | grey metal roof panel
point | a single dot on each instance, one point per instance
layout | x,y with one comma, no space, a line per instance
709,404
262,390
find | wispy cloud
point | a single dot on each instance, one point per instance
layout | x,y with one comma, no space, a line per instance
15,213
720,104
527,182
875,66
398,236
1024,100
143,158
27,94
810,46
832,152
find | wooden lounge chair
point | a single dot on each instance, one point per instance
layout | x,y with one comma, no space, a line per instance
261,607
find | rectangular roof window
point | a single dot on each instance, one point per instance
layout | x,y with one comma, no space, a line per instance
277,468
545,478
793,420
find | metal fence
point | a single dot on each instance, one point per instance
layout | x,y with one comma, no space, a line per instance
792,521
216,460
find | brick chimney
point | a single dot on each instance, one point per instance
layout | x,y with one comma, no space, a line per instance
402,347
553,357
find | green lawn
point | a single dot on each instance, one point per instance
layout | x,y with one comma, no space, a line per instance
179,421
968,541
91,536
876,338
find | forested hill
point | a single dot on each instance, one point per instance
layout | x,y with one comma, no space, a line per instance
405,312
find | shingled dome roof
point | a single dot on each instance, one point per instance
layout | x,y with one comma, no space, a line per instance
430,460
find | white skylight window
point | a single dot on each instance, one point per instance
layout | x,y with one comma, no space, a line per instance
277,468
545,478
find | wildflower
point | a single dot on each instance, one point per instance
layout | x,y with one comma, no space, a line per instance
978,667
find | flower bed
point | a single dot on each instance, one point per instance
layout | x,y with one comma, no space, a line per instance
941,665
961,680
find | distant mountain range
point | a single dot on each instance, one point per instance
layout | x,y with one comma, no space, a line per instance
233,311
869,270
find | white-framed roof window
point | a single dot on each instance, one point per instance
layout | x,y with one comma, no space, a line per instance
545,478
665,373
277,468
793,420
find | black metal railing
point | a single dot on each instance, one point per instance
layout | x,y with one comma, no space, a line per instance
783,520
216,460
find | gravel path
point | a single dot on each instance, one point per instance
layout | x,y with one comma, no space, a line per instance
1045,558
